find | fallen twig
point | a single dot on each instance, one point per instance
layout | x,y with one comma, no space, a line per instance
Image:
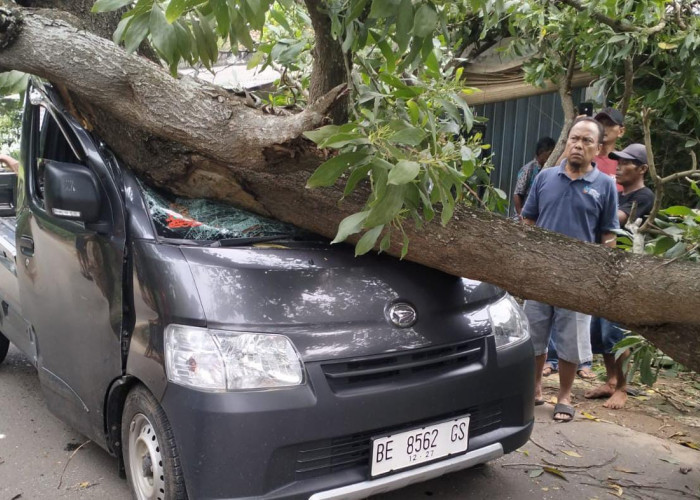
591,466
60,482
678,406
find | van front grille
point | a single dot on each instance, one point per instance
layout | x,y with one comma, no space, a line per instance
356,374
333,455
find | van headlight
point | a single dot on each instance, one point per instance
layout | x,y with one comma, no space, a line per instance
508,322
219,360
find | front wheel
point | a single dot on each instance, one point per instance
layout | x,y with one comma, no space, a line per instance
4,346
152,463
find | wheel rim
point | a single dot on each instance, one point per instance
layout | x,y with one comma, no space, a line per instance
145,460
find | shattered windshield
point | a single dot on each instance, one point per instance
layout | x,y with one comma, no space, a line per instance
206,220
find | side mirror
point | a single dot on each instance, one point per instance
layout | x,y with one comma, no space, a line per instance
71,192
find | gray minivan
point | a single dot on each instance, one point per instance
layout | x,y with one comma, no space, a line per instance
218,354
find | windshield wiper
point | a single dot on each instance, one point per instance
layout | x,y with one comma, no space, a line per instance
249,240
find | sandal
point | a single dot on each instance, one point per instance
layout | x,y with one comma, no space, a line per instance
548,370
586,374
564,409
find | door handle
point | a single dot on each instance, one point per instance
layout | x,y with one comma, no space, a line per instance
26,246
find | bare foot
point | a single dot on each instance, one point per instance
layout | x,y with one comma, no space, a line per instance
602,391
617,400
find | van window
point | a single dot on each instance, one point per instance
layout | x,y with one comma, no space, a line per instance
51,144
199,219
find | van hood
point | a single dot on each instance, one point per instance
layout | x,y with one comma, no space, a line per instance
332,304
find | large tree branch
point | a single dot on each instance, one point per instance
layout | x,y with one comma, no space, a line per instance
142,94
331,67
629,85
567,104
617,25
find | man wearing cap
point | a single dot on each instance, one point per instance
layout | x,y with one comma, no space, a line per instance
631,167
614,124
576,200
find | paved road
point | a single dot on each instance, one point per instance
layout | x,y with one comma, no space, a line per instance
35,448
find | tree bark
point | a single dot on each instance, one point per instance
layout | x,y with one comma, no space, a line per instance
567,104
199,140
331,67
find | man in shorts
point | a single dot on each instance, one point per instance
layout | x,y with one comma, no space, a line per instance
577,200
632,165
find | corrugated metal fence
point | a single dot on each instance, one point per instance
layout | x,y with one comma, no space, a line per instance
513,129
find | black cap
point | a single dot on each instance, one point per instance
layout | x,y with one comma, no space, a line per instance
613,114
635,152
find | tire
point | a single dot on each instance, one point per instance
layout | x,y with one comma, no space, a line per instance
153,468
4,346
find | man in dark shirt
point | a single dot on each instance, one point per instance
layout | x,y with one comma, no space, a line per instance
631,167
527,174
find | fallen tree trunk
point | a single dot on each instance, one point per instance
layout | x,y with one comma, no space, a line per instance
198,140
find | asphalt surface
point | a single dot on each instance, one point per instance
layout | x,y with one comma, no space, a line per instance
612,461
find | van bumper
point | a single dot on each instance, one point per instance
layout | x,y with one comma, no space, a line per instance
310,441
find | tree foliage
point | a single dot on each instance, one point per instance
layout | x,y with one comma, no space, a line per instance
409,127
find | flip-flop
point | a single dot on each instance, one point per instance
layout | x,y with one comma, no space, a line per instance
586,374
548,370
566,410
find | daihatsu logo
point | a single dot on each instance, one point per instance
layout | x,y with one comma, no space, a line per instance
402,314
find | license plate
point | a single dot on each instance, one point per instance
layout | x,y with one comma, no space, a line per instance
422,444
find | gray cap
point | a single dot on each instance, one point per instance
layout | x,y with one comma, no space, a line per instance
612,113
635,152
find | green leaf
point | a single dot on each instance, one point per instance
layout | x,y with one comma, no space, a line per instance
358,6
536,472
383,8
136,31
663,244
109,5
340,140
352,224
403,172
676,251
678,210
404,247
411,136
176,8
646,374
13,82
357,175
404,24
328,172
387,207
321,134
425,21
368,240
163,34
385,243
388,54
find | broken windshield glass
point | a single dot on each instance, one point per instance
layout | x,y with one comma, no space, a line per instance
206,220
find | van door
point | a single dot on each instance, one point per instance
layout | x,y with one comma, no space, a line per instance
70,276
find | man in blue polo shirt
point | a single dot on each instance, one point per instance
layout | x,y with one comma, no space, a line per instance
577,200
